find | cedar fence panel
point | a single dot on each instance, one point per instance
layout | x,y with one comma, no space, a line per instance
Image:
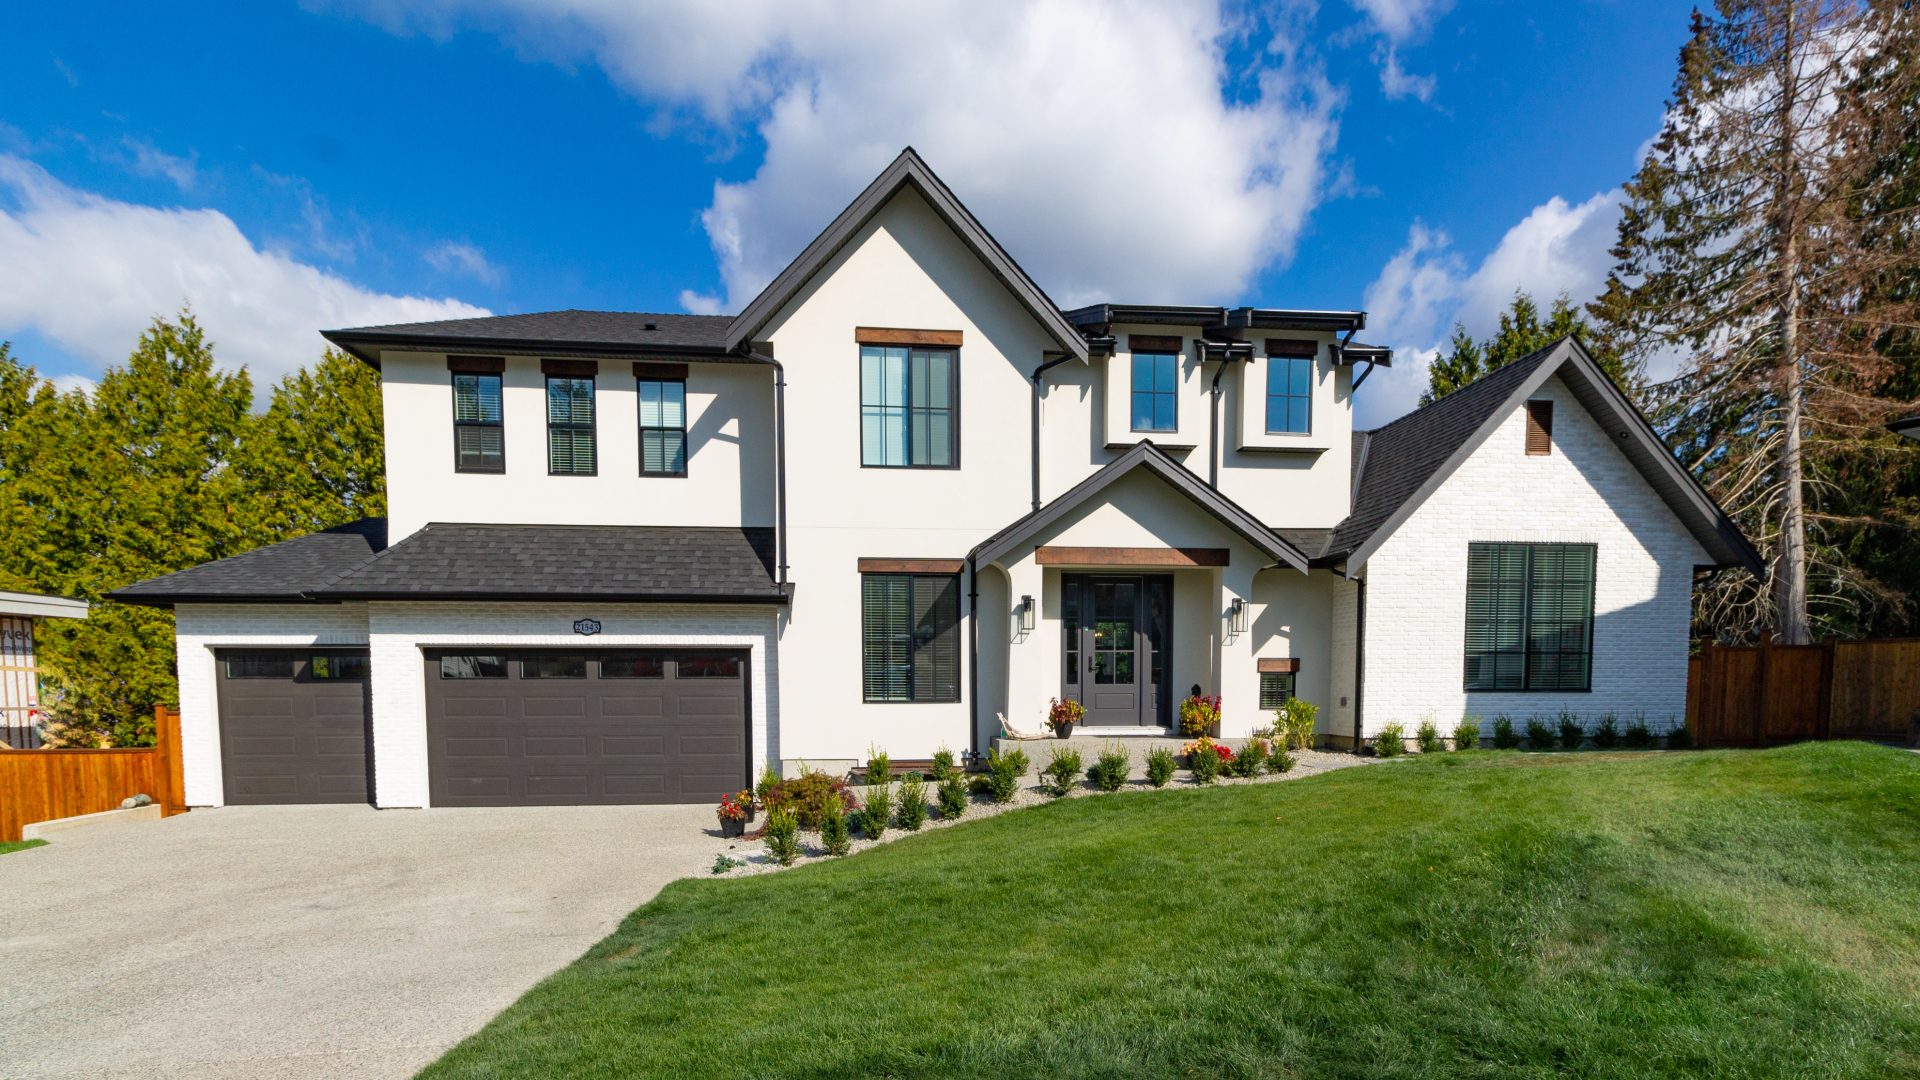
42,785
1769,694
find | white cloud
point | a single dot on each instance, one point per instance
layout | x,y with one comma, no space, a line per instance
699,303
89,273
1397,83
1400,22
1033,113
145,159
462,259
64,383
1559,247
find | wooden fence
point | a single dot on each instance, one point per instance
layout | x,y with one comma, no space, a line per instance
1761,695
41,785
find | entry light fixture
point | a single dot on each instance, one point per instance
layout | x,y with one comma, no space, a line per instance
1026,614
1237,616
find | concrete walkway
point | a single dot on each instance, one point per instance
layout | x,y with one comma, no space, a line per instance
309,940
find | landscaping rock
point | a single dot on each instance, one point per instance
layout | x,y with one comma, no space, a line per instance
132,801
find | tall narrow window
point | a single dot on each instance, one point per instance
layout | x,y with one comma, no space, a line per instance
1539,428
479,444
1156,391
1290,395
570,425
663,427
910,637
908,400
1529,616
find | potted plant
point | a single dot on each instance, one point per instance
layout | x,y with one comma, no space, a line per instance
734,813
1062,715
1200,715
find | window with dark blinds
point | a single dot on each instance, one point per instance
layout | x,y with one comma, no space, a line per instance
663,427
1276,688
910,637
478,442
570,426
1529,616
1539,428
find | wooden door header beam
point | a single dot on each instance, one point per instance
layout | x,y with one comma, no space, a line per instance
1129,556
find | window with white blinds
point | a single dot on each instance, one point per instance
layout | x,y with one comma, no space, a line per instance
479,444
910,637
663,427
570,426
1529,616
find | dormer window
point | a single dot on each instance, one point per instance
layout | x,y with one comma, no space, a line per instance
1290,387
479,441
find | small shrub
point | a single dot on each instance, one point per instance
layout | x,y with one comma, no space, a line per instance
1504,737
1003,774
943,766
807,794
876,811
1109,771
1279,760
980,784
783,835
952,796
1017,761
1160,766
1607,732
1571,733
1251,760
1204,760
913,803
1467,735
1428,736
1062,771
1199,714
1539,735
833,829
1296,723
879,766
1391,741
1638,736
769,783
724,862
1679,738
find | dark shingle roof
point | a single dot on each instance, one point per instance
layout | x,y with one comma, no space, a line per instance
617,332
1392,463
283,571
585,562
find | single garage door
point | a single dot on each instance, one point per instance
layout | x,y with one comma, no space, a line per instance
585,726
293,725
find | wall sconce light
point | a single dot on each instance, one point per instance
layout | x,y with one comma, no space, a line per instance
1026,614
1237,616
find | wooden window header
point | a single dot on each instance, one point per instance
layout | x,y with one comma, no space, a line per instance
578,369
911,566
1155,343
477,365
1279,666
1115,556
644,370
1296,348
882,335
1539,428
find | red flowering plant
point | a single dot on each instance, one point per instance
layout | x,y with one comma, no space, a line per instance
1061,714
1205,758
736,807
1200,715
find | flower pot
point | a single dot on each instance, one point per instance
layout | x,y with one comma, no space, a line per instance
732,827
1064,731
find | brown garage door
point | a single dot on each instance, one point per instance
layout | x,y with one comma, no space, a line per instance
293,725
511,728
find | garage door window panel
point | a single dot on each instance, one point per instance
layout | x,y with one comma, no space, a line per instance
556,666
633,666
327,667
260,666
473,666
706,666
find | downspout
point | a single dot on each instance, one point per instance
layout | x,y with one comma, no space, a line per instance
779,460
1359,662
1213,426
973,659
1037,372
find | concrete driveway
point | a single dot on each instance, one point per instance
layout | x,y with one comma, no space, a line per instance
309,940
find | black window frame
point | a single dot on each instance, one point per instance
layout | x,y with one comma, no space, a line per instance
1286,691
941,685
590,426
640,384
1275,364
1153,392
263,664
952,409
496,661
499,425
1510,574
327,667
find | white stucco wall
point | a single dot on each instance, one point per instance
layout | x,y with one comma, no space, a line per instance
729,477
200,629
1585,491
1287,481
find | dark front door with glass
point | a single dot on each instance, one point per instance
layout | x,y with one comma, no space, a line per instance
1117,646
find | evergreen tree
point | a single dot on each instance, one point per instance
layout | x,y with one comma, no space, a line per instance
314,459
1521,333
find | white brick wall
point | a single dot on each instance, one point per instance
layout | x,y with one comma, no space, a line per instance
398,631
1585,491
1336,716
201,628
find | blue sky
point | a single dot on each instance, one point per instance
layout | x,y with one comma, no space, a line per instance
288,167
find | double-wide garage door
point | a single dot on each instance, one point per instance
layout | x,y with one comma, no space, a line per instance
293,725
508,728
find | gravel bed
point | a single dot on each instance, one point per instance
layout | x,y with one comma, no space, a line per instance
753,858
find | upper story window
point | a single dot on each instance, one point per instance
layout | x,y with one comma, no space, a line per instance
909,406
1290,387
1156,391
1529,616
570,446
479,440
662,392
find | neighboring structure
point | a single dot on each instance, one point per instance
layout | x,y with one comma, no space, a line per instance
1908,426
19,674
634,557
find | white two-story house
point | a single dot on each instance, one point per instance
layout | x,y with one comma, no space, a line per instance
633,557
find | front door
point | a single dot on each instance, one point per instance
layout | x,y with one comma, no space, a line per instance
1116,647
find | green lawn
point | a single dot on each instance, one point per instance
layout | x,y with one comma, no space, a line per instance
8,847
1483,914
